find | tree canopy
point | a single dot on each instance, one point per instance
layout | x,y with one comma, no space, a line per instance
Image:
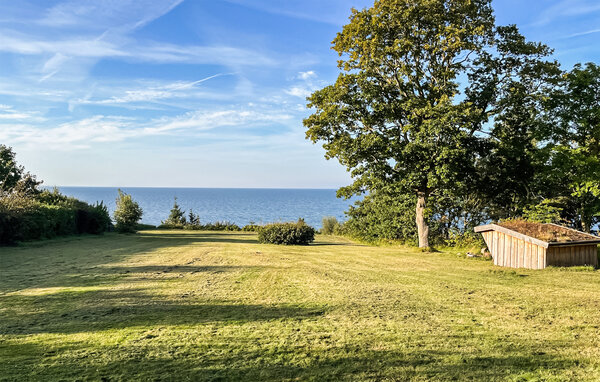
437,104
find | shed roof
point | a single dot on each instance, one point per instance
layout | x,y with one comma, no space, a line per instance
541,234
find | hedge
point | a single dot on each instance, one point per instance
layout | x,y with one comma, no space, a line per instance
24,219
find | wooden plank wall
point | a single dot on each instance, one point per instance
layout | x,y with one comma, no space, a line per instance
509,251
573,255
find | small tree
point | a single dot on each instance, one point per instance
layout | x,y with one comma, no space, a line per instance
330,225
193,219
176,216
127,213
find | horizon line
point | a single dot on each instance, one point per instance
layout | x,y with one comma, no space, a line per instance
191,187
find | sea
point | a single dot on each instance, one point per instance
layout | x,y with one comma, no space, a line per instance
237,205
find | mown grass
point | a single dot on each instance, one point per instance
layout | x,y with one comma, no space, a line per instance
189,305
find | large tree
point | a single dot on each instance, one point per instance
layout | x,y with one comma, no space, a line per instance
509,86
395,115
574,155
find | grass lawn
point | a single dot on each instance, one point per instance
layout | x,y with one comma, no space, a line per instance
189,305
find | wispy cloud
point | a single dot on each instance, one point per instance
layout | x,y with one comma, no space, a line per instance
333,12
568,8
79,46
202,120
86,132
8,113
592,31
150,94
104,14
94,47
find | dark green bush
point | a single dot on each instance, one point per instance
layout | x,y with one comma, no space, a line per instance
298,233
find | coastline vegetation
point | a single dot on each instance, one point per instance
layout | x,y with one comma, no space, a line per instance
30,213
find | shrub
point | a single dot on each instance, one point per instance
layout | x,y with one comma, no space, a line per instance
221,226
164,225
330,225
127,213
251,227
298,233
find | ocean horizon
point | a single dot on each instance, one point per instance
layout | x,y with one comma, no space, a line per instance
237,205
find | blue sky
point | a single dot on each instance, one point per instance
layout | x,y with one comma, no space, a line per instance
196,93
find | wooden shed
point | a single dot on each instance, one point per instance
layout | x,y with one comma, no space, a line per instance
518,244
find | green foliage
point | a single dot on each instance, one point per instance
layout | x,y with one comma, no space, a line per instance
193,219
13,177
220,226
177,220
27,213
176,217
573,157
50,214
544,212
298,233
394,117
251,227
383,215
127,213
330,225
521,131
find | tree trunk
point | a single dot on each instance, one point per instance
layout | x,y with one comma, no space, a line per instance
585,223
422,226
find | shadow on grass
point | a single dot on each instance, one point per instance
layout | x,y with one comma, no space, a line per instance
321,244
70,261
202,237
158,269
92,311
238,360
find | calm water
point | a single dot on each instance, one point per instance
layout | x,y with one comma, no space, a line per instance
240,206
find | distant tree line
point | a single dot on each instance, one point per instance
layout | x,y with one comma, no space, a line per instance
446,120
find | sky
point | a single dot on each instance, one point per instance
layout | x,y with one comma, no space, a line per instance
197,93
